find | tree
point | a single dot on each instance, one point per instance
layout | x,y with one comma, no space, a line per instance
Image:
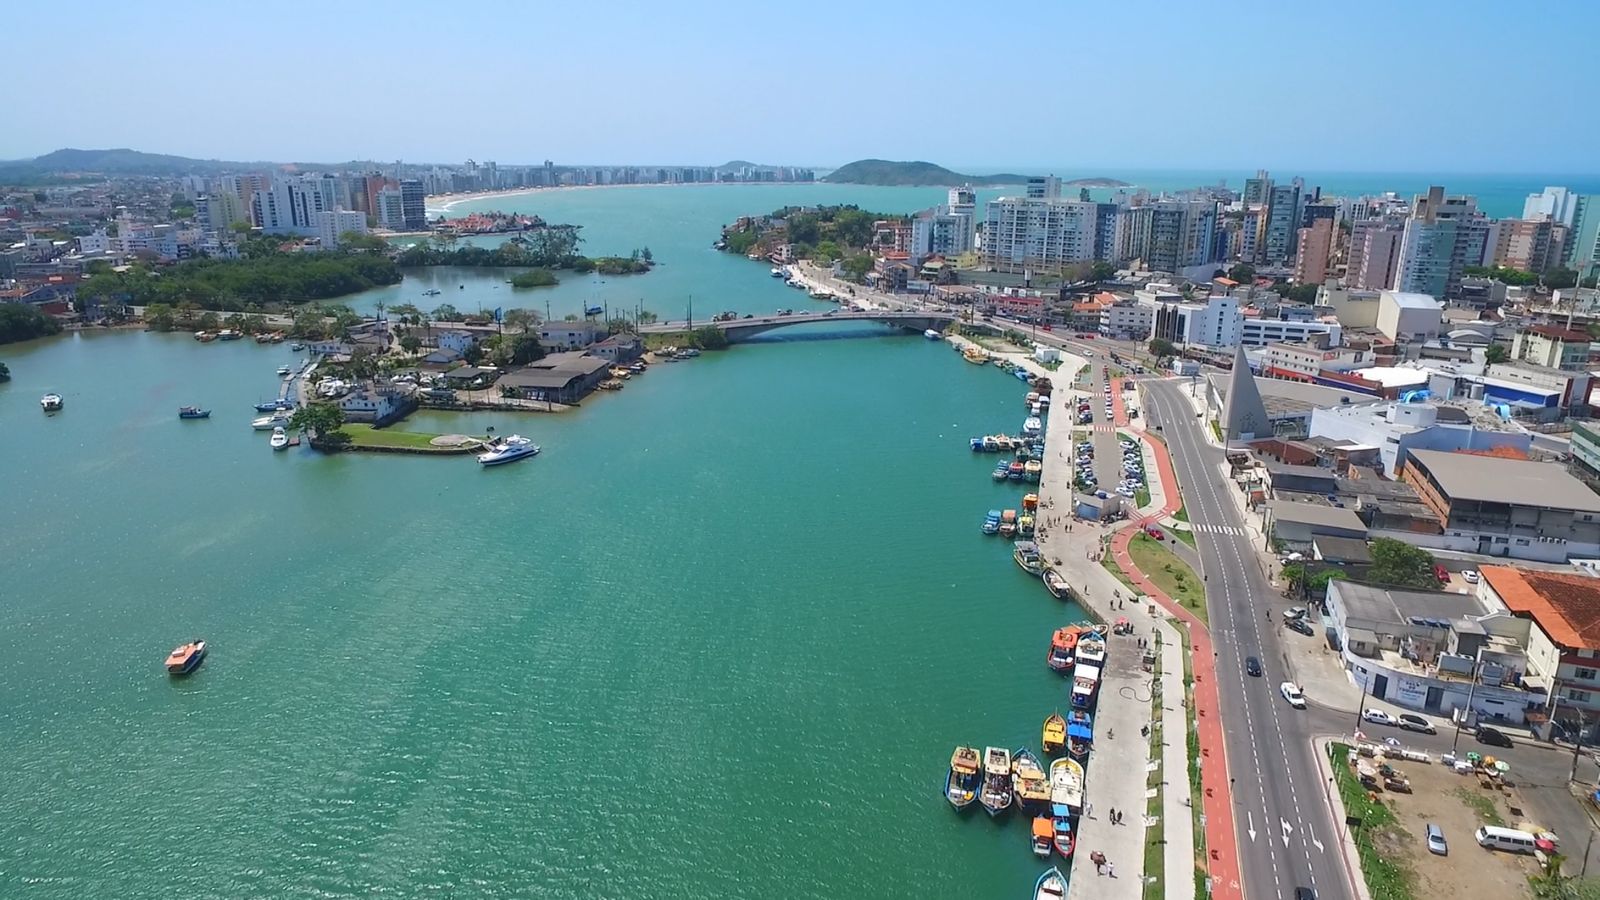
324,422
708,337
534,278
1560,278
646,255
1161,348
1298,293
21,322
1309,582
1400,564
207,322
620,325
1495,353
355,241
826,252
1102,271
1244,273
521,319
856,267
5,372
473,354
646,317
411,344
444,312
160,317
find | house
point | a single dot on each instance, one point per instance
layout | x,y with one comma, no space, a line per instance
569,335
441,360
1295,525
457,341
1564,609
1505,507
558,378
619,348
470,378
377,405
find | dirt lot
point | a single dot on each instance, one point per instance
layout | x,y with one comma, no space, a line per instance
1458,805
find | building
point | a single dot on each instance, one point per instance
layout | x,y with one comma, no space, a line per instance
1531,245
1305,361
1168,235
1260,331
413,205
939,232
1374,252
332,225
1586,448
1282,224
377,405
1537,392
1030,234
389,209
1295,525
1555,204
1396,428
1443,236
1124,318
222,210
1314,250
1436,652
1552,346
291,204
1564,637
456,340
1405,317
1583,238
1047,187
1216,323
570,335
619,348
557,378
1506,507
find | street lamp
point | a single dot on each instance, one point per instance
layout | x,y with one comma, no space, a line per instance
1471,687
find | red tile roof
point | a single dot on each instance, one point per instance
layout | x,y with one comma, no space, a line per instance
1567,607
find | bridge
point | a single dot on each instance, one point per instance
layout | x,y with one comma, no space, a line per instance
744,329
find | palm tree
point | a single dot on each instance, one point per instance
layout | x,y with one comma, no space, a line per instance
380,306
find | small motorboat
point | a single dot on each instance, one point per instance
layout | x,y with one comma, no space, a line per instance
1052,885
995,795
1044,834
1056,584
1025,528
961,786
1032,469
991,522
1022,374
1026,555
1030,502
274,405
193,412
1030,787
776,272
279,419
1061,818
1080,733
186,657
280,438
975,356
932,335
508,449
284,371
1055,734
1017,471
51,402
297,346
1008,523
1002,469
1062,644
1066,784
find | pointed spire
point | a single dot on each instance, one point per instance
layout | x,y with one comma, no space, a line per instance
1244,416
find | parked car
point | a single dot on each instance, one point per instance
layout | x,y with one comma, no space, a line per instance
1155,533
1378,716
1494,737
1441,573
1252,666
1435,837
1414,722
1295,612
1470,576
1291,693
1302,626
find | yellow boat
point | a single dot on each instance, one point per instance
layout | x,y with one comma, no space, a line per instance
1055,733
975,356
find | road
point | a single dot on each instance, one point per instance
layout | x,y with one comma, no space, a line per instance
1287,838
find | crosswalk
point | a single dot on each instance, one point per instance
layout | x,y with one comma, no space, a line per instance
1202,528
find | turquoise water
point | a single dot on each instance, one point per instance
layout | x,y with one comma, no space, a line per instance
717,640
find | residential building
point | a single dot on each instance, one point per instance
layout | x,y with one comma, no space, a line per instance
378,405
1506,507
96,242
1443,236
1215,323
1583,240
1256,189
1259,331
1305,361
1125,319
1282,224
1554,204
939,232
389,211
1564,638
1552,346
570,335
1374,252
619,348
1535,245
1044,188
1314,249
1033,234
413,205
221,211
558,378
331,225
1405,316
1586,447
458,341
1396,428
291,203
1168,235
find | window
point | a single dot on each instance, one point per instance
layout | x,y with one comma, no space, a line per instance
1578,696
1585,674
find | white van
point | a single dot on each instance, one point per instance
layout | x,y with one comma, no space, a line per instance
1507,839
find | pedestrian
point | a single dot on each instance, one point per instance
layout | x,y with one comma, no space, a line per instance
1099,868
1113,815
1111,869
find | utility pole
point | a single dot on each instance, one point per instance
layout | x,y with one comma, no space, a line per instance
1360,705
1470,689
1577,745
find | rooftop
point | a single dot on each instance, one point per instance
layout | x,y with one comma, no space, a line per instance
1316,514
1399,607
1514,482
1566,606
1342,549
1292,398
1408,300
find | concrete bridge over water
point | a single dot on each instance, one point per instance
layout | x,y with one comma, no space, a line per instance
744,329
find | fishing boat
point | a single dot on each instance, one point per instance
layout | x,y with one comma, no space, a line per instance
51,402
193,412
1031,400
1052,885
284,371
1032,469
1016,470
1030,787
274,405
932,334
975,356
228,334
1008,523
1080,733
1066,784
280,439
1055,734
431,292
961,786
1056,584
1030,502
1092,650
1025,528
1062,644
1002,469
205,337
1022,374
1032,427
278,419
995,794
508,449
1085,684
185,658
775,272
1061,818
1044,833
1026,555
991,522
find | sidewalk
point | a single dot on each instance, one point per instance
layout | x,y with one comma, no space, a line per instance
1178,829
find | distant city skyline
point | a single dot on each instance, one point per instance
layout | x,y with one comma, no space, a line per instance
1380,87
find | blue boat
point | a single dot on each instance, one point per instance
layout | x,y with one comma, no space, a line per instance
977,445
594,311
1080,733
991,522
1022,374
1002,470
1052,885
193,412
274,405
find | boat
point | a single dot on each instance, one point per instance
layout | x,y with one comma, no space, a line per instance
1025,528
776,272
1056,584
228,334
297,346
1032,399
1030,787
284,371
431,292
1085,683
1061,818
193,412
508,449
961,786
1032,469
1017,471
594,311
1026,554
1044,833
274,405
1052,885
975,356
991,522
280,438
611,384
1091,650
1055,734
1002,469
205,337
995,794
185,658
1030,502
1066,784
1062,644
1031,427
1022,374
1080,733
278,419
1008,523
933,334
51,402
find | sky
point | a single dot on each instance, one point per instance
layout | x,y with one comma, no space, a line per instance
1067,86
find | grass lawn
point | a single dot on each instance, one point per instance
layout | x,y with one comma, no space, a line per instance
1196,799
1171,574
1481,805
1216,429
1111,566
1141,497
366,436
1387,875
1185,535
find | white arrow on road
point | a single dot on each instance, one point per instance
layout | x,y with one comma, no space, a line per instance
1286,829
1252,832
1314,842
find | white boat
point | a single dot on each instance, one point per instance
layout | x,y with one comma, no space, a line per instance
1066,783
284,370
51,402
1031,426
508,449
1091,650
933,334
280,438
1052,885
267,423
777,272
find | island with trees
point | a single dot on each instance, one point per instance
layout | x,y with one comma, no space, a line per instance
917,173
551,247
822,234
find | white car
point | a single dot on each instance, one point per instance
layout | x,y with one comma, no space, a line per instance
1291,693
1470,576
1378,716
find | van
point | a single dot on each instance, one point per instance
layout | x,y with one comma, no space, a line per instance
1508,839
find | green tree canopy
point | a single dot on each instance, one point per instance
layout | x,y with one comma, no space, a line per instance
1160,347
22,322
1400,564
323,420
1244,273
1495,353
857,266
533,278
708,337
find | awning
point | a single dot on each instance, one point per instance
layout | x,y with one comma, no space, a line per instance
1080,731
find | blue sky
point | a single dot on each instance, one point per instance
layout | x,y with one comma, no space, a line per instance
1069,86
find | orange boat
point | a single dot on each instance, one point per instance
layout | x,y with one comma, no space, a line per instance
186,658
1044,834
1063,647
1055,733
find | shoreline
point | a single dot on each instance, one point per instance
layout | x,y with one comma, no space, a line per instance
443,203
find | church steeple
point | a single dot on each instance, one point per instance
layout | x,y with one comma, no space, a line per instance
1244,416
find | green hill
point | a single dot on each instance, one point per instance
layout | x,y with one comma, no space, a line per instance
889,172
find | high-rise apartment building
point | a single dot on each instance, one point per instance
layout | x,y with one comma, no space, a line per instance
290,204
413,205
939,231
1443,236
1047,187
1256,189
1374,252
1027,233
331,225
1558,204
1168,235
1535,245
1314,247
1282,226
387,209
219,212
1583,241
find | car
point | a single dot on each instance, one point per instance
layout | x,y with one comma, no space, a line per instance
1252,666
1378,716
1300,625
1441,573
1414,722
1304,893
1291,692
1494,737
1295,612
1435,838
1155,533
1470,576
